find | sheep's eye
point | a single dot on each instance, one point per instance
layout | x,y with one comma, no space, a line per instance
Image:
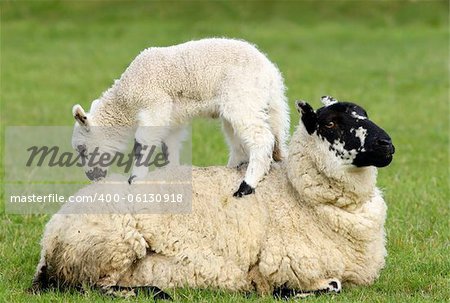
330,124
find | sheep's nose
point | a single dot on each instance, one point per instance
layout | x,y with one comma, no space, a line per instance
386,144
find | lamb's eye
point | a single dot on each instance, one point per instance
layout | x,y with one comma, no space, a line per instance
82,150
330,124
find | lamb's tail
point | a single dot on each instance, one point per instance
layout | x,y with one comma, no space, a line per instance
279,118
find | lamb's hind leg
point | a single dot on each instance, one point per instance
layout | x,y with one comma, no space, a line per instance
256,134
238,155
173,142
329,286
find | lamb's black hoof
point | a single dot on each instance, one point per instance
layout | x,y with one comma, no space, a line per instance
131,178
244,189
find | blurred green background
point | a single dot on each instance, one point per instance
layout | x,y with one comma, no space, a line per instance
391,57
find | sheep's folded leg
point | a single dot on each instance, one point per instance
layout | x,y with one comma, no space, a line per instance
40,281
43,281
329,286
261,285
126,292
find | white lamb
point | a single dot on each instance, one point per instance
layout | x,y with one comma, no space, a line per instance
165,87
316,221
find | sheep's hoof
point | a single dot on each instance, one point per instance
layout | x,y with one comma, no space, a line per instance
126,292
36,288
161,295
158,294
131,178
334,286
244,189
41,281
285,293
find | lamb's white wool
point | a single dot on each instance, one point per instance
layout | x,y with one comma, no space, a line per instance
168,86
311,221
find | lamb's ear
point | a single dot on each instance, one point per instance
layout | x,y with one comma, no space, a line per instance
309,117
80,116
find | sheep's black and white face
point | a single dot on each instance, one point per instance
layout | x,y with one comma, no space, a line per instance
351,136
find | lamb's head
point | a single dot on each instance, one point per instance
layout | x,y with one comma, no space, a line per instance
86,141
346,135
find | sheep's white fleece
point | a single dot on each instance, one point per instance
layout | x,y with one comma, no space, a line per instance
306,223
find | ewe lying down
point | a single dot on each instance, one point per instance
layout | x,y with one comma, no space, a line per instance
316,221
165,87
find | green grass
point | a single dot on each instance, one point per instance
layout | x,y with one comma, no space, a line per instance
390,57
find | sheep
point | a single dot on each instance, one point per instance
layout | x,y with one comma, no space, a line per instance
317,221
165,87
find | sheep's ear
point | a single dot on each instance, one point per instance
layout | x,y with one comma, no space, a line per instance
328,100
309,117
80,116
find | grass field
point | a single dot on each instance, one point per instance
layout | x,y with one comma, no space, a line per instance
390,57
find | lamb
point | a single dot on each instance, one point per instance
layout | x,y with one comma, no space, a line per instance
165,87
317,221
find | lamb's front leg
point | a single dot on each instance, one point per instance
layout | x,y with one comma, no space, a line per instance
139,169
148,138
328,286
143,154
